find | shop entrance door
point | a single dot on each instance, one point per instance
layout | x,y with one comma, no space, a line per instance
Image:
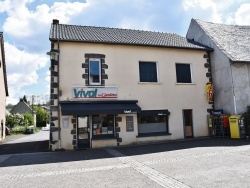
188,123
83,132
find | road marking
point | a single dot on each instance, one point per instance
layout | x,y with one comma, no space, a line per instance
203,155
63,172
128,163
159,178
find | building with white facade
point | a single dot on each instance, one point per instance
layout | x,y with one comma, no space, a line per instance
112,87
4,88
230,60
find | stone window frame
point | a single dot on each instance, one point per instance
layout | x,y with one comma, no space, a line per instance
104,66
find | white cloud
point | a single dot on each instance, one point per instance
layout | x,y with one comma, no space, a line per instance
22,68
22,22
201,9
242,15
28,30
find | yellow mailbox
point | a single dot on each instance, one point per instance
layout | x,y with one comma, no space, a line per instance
234,126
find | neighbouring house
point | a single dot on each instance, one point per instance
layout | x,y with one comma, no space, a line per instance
4,88
21,108
230,62
112,87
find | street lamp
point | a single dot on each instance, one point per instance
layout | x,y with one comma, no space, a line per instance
53,55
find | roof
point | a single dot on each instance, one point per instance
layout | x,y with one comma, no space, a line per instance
21,107
90,34
234,40
3,63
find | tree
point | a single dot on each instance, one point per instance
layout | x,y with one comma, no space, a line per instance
41,114
25,99
14,120
28,119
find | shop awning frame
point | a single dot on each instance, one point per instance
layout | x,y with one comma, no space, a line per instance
164,112
99,107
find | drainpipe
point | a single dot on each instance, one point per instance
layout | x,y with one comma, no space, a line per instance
234,97
58,88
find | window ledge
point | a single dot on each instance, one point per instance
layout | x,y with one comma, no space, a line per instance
105,138
185,83
153,134
150,83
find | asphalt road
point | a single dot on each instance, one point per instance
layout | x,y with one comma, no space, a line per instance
210,162
14,144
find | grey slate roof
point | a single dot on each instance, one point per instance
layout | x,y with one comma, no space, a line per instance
21,107
234,40
120,36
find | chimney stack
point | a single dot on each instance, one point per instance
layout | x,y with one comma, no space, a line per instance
55,21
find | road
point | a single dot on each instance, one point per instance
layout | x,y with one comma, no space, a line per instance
15,144
211,162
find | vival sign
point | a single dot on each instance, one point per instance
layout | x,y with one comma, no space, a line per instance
95,92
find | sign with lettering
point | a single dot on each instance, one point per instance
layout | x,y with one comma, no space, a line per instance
129,124
210,92
95,92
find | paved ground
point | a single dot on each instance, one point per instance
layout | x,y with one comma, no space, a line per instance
25,143
211,162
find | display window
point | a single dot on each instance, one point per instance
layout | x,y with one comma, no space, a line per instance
103,125
152,124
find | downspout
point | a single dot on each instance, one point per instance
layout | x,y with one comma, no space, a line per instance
234,98
58,109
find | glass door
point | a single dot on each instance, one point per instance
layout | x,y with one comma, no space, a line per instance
188,123
83,132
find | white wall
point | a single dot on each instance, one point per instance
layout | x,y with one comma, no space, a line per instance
2,96
123,71
231,81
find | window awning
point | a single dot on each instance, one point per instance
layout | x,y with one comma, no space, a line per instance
154,113
99,107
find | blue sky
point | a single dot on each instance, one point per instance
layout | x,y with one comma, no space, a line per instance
26,25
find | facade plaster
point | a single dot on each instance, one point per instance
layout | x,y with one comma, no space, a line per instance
231,81
123,72
2,94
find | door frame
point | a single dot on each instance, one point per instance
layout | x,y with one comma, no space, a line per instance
77,133
190,111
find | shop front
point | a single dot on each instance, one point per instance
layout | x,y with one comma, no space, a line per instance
97,122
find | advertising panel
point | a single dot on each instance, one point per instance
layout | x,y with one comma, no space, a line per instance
94,92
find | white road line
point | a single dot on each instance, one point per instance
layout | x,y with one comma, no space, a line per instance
159,178
203,155
62,172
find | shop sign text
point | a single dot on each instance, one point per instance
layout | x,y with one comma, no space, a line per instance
84,92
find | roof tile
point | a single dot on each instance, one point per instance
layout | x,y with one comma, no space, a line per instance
234,40
65,32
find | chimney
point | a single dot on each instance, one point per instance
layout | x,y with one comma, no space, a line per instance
55,21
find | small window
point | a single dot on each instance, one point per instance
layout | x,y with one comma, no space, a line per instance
183,73
152,124
103,125
148,72
94,72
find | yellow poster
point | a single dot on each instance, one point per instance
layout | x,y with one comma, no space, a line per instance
210,92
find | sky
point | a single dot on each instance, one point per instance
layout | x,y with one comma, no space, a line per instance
26,25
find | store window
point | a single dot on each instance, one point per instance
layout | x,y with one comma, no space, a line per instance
94,72
103,125
152,125
148,72
183,73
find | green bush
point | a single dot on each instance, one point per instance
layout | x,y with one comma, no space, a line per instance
28,119
18,130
